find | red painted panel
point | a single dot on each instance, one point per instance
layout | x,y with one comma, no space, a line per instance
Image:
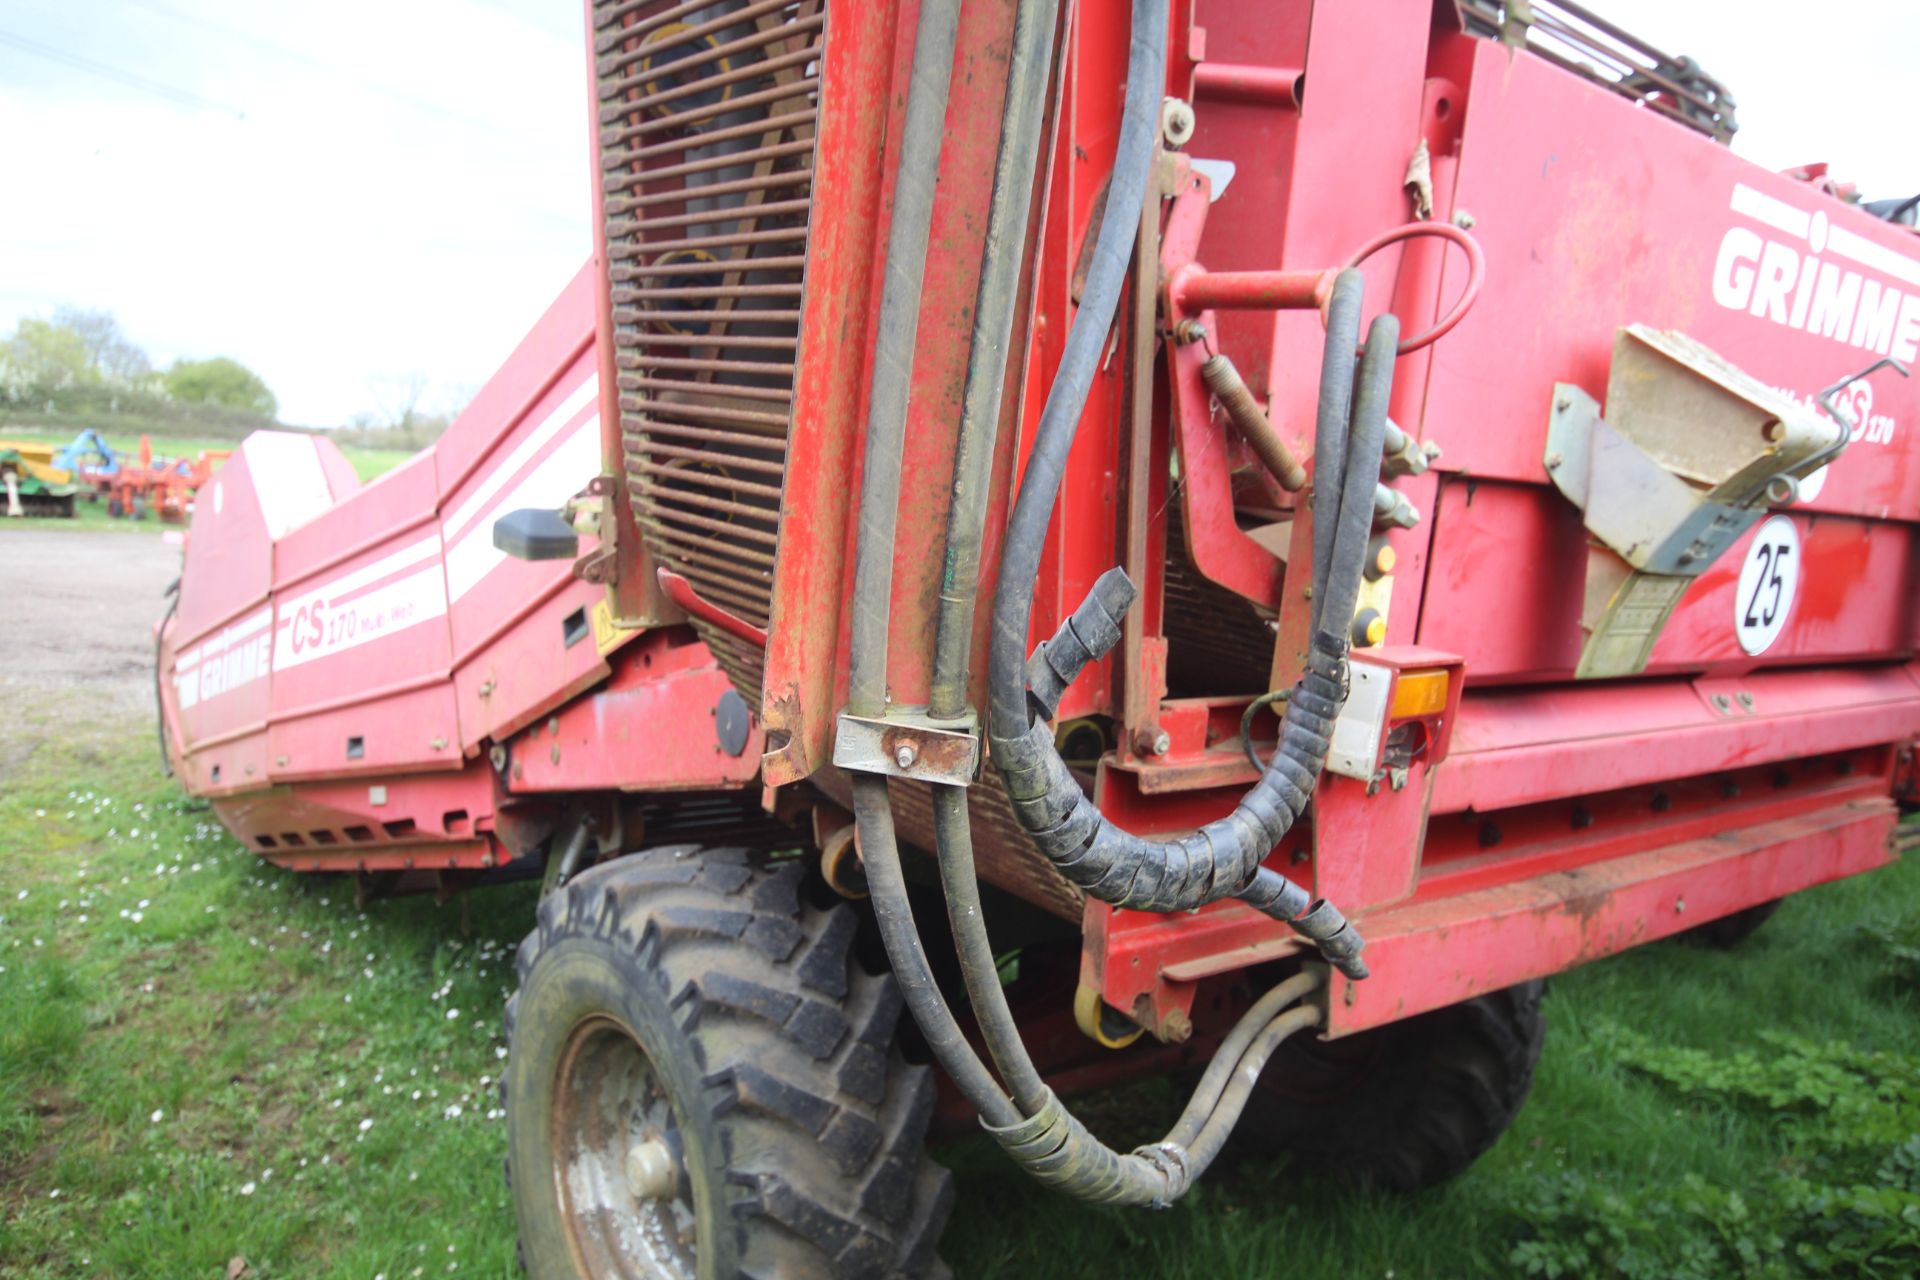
1520,746
1440,952
652,727
1594,214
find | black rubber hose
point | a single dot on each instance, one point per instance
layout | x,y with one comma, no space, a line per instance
1001,259
1331,419
919,164
1225,856
953,837
1086,339
921,134
887,886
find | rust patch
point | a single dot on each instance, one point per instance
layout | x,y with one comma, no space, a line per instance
944,753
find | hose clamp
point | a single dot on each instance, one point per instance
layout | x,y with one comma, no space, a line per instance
909,743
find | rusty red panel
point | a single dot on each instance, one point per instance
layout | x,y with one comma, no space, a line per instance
1440,952
956,238
371,824
652,727
845,228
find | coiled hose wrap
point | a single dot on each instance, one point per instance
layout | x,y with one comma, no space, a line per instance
1222,859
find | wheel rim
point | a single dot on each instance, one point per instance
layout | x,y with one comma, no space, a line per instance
619,1163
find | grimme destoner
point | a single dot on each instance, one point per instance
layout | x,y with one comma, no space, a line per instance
1310,517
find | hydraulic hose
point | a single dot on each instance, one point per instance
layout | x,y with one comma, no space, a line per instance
921,134
1041,1135
1029,74
906,262
1222,859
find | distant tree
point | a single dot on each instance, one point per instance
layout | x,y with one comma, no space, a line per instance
42,358
117,359
220,381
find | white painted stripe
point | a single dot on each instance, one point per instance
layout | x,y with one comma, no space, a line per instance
320,631
287,478
1871,253
568,469
233,634
1782,216
536,440
385,567
1777,214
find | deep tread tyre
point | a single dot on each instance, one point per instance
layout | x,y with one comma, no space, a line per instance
1729,932
800,1126
1407,1106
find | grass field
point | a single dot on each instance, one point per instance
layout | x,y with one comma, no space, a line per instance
203,1059
368,463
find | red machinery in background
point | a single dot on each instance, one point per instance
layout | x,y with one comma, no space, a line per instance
1580,604
163,487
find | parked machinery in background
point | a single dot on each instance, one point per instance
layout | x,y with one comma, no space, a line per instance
143,485
1441,518
30,485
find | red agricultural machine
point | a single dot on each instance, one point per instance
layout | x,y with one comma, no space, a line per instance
164,487
1310,517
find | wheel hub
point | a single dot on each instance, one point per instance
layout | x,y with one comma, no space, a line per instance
627,1205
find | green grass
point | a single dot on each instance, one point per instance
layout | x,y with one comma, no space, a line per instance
203,1058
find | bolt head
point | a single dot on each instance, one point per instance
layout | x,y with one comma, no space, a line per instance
905,756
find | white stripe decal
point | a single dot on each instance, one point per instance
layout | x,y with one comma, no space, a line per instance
1777,214
568,469
224,663
1800,224
1871,253
405,558
341,615
536,440
322,629
288,479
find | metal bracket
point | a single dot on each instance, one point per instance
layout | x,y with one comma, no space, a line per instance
1692,453
909,743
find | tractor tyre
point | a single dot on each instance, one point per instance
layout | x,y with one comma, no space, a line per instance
1405,1106
1728,932
703,1081
115,509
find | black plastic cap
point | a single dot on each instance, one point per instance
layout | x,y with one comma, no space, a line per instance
536,533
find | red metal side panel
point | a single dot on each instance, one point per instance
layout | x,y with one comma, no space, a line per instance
402,499
653,727
218,651
844,229
1594,213
1508,570
1513,747
360,658
436,821
1436,953
520,632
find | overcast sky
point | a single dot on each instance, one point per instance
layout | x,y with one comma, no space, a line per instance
353,196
